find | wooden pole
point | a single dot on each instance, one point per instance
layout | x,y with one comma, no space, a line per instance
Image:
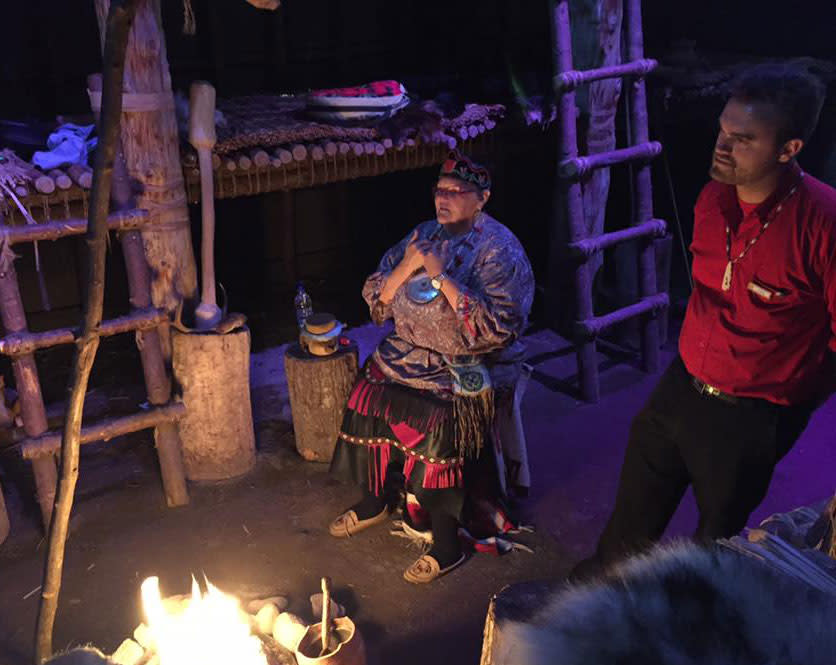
150,143
119,21
32,408
157,376
202,137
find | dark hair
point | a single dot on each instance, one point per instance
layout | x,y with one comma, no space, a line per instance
795,94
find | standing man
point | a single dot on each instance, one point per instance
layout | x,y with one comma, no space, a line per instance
755,348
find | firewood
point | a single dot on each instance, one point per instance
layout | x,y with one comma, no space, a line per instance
128,653
265,618
142,634
288,629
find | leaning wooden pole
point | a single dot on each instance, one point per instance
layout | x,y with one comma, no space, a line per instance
119,20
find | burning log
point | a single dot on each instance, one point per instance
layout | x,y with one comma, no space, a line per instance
265,618
129,653
288,630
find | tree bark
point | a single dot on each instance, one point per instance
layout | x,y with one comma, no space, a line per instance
151,148
319,388
116,37
599,30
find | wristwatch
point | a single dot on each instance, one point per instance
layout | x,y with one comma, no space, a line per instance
437,281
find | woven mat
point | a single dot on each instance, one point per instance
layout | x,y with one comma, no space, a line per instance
270,120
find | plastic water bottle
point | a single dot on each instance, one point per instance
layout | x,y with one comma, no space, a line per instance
302,303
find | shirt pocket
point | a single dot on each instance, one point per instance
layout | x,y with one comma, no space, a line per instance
768,293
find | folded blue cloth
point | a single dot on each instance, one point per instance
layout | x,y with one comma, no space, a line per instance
69,144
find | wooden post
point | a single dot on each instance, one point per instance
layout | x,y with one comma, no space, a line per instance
151,148
319,387
28,387
149,342
118,24
601,106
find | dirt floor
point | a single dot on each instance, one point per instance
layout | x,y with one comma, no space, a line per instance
266,533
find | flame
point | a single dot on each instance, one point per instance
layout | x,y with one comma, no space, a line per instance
210,628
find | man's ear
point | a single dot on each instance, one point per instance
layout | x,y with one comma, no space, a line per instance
486,194
789,150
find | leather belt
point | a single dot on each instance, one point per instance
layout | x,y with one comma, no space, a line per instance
711,391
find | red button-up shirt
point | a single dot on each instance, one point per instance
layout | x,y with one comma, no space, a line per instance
769,335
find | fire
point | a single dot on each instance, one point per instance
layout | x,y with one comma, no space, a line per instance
209,628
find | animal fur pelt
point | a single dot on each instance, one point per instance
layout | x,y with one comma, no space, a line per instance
678,606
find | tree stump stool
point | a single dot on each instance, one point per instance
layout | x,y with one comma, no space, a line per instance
213,372
319,387
514,604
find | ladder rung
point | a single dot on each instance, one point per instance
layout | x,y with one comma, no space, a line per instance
22,343
567,81
118,221
49,443
594,326
580,166
589,246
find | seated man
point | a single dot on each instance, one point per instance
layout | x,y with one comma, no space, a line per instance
459,289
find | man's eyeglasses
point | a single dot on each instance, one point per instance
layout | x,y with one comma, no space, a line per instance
445,192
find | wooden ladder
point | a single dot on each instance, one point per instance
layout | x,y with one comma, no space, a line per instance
42,446
572,168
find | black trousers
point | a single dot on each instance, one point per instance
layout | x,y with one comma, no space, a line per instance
727,452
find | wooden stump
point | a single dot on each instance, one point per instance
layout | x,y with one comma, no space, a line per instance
4,518
213,372
319,388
